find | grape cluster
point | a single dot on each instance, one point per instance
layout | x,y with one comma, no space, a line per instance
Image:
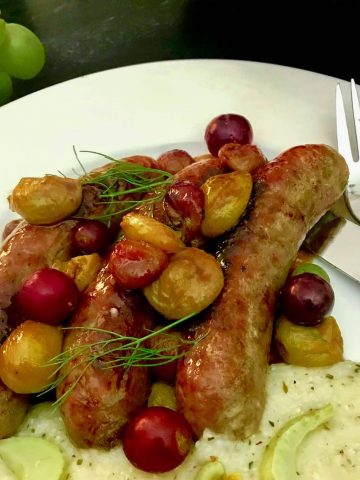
22,56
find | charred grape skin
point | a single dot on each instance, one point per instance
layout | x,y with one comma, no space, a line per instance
186,198
48,296
157,440
184,204
90,236
227,128
306,299
136,264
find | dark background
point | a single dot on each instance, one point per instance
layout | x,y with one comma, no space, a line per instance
85,36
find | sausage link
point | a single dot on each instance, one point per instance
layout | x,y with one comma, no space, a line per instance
221,381
103,400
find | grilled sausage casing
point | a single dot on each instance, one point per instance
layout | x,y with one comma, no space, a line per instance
103,400
221,381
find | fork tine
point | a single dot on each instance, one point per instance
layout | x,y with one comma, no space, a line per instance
356,110
343,138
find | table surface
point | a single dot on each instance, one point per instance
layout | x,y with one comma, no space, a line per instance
85,36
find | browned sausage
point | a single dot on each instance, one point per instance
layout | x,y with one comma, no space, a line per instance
221,381
10,227
104,399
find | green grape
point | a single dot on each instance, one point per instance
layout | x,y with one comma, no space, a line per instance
2,30
311,268
6,87
22,55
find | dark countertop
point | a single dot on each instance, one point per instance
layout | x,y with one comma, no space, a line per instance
85,36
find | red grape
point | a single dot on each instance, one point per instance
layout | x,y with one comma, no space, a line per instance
90,236
48,296
227,128
157,440
184,204
186,198
136,264
306,299
174,160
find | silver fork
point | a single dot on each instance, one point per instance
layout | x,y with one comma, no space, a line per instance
352,193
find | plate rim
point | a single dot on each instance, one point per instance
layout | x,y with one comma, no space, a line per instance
167,61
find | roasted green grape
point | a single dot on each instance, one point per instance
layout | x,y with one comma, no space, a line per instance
311,268
190,283
317,346
226,197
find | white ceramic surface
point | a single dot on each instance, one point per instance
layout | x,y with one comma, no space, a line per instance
145,108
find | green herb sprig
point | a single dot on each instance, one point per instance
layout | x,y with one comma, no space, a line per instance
116,351
123,179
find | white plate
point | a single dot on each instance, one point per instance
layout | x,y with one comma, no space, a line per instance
137,109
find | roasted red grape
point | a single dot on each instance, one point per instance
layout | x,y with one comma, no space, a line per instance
186,198
174,160
136,264
306,299
157,440
227,128
48,296
184,204
90,236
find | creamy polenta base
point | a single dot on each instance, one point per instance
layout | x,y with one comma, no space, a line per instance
331,452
